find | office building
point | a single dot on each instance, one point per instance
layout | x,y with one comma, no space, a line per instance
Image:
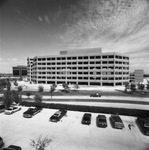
29,68
19,71
81,66
137,76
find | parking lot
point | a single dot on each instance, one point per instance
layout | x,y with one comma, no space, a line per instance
69,133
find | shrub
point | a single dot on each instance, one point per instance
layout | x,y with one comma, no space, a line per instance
20,88
40,143
38,98
40,88
52,89
28,94
7,99
16,97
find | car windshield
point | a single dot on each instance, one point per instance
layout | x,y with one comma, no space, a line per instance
86,118
10,109
146,125
56,115
101,120
15,107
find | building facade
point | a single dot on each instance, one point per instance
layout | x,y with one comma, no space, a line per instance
137,76
19,71
83,67
29,68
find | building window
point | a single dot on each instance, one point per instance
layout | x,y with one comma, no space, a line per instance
98,57
85,57
92,57
86,62
68,58
74,58
104,57
79,57
111,56
74,63
92,62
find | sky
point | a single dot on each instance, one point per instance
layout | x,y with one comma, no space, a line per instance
30,28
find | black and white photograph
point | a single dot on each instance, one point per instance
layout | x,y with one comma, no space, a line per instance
74,74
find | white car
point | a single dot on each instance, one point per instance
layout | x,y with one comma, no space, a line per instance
12,110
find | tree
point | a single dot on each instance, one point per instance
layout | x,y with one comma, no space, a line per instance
126,86
16,97
38,98
76,86
8,85
20,88
52,89
28,94
147,86
66,87
7,99
41,143
15,82
133,87
141,86
40,88
3,84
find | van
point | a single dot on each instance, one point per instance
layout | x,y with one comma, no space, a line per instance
116,122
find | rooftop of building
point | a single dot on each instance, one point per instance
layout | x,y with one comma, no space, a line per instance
83,52
20,66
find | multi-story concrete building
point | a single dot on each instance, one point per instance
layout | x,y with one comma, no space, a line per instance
19,71
83,67
29,68
137,76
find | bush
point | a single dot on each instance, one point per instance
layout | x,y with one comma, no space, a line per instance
7,99
38,98
20,88
40,88
40,144
16,97
94,109
28,94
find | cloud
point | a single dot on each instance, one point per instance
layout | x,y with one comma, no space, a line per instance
40,18
106,21
47,19
115,26
13,59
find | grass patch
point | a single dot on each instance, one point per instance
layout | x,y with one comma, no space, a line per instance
94,109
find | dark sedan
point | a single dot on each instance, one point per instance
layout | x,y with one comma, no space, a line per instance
31,112
86,119
12,147
2,108
1,142
143,124
58,115
95,95
101,121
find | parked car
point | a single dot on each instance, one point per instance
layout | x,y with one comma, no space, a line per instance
31,112
95,95
57,115
12,110
86,119
12,147
1,142
116,122
101,121
143,124
2,108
